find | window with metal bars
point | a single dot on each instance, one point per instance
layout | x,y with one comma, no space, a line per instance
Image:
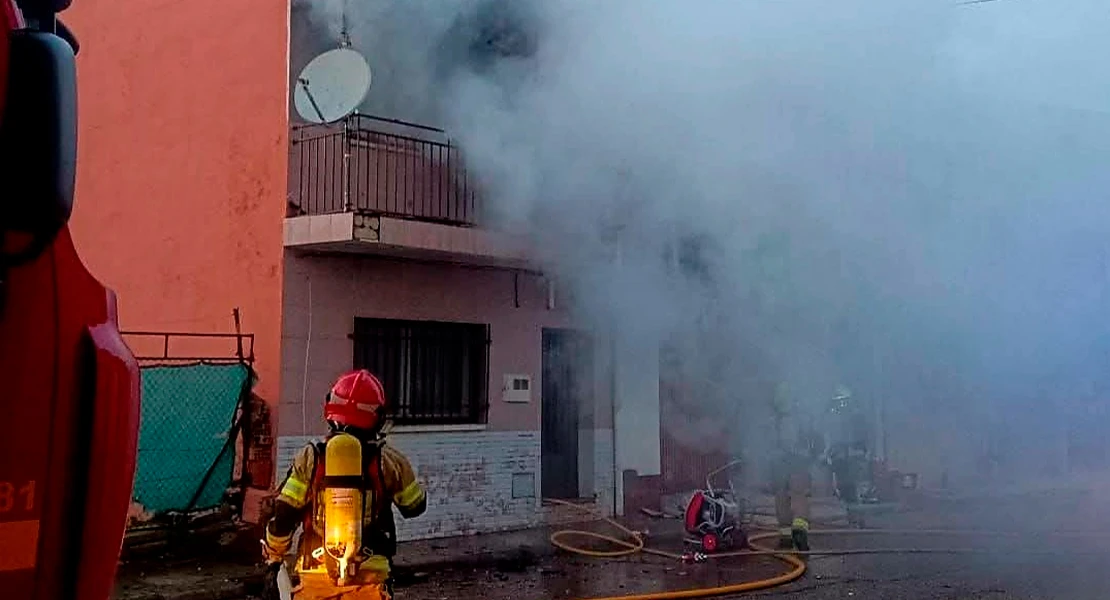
434,373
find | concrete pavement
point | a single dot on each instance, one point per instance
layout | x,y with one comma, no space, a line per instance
231,573
1029,562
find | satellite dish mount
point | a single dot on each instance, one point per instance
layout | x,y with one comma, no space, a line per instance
331,88
344,31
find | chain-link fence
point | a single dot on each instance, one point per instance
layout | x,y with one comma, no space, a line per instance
187,450
196,402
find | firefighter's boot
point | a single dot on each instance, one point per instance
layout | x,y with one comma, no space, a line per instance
786,538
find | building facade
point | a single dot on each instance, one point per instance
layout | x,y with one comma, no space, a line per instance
470,357
498,398
361,246
181,170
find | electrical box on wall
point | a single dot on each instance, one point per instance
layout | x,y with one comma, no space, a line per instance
524,485
517,388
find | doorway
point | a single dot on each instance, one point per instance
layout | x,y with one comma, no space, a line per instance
567,386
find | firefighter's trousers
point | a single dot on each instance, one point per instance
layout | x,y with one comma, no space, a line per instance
792,495
324,589
370,584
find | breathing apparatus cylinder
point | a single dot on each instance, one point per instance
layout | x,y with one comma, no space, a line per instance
343,503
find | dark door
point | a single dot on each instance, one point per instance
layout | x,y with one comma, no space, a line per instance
685,462
567,383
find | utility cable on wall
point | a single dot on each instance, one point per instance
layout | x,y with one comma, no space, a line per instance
307,353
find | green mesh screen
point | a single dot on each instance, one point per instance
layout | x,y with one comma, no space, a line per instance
187,418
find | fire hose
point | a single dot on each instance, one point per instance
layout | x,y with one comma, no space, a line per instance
634,544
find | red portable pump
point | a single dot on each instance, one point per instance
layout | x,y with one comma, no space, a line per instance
714,517
69,386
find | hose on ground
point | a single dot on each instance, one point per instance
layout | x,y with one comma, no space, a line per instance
634,544
797,566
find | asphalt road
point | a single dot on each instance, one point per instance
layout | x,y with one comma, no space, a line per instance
995,575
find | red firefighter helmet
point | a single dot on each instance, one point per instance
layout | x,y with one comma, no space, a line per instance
356,400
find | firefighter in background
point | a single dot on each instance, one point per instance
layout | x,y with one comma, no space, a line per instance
342,491
850,457
798,446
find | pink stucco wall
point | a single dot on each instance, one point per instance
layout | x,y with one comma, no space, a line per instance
330,291
182,163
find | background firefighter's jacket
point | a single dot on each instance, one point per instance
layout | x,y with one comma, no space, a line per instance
389,480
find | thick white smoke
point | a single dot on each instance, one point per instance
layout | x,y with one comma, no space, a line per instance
904,196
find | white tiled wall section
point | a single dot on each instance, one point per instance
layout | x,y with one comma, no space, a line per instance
469,478
603,470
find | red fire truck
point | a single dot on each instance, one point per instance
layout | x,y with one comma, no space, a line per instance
69,386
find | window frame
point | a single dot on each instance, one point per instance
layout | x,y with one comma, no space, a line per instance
449,359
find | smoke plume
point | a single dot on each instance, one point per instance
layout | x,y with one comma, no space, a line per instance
905,197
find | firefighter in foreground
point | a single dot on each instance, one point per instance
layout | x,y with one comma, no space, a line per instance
799,445
342,491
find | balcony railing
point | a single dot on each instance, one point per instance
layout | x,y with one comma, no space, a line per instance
379,166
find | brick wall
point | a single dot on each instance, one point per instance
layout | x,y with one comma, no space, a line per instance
471,476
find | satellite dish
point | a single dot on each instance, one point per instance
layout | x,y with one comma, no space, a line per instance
332,86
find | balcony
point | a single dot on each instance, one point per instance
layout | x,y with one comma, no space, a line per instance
375,185
384,167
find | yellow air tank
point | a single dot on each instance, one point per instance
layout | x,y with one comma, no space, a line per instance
343,503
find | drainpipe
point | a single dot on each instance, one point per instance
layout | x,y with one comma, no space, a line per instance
345,42
879,398
346,175
618,483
